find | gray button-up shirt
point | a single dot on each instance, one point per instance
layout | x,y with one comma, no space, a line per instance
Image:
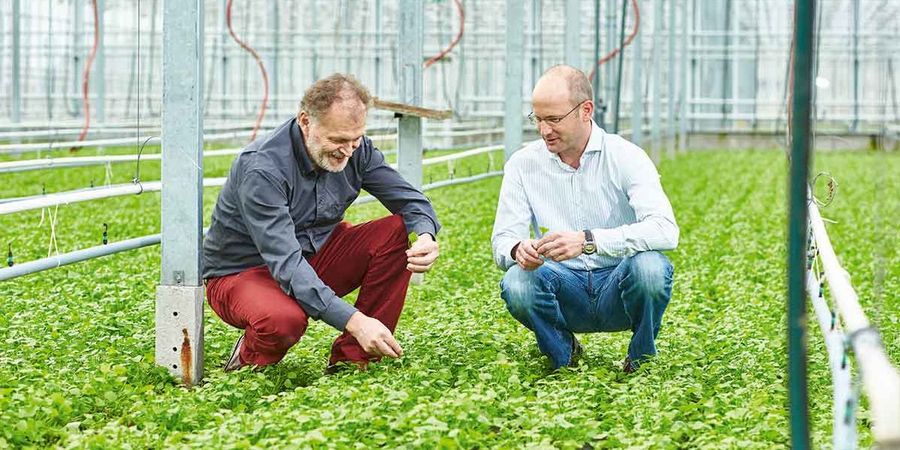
278,209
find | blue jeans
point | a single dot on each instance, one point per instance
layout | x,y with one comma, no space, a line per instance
554,301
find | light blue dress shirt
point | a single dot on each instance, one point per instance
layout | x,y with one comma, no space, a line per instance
615,192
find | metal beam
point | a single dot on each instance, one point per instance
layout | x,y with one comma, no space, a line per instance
99,72
515,55
655,82
637,91
670,89
77,57
572,41
179,299
409,60
274,20
801,118
683,78
16,112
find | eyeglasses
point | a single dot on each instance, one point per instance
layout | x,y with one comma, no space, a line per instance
535,120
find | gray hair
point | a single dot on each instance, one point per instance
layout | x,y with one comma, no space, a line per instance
330,90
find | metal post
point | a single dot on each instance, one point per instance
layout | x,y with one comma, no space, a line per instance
77,56
99,72
223,38
727,87
609,83
655,81
379,62
274,20
637,94
410,41
683,78
535,26
855,126
179,297
16,113
515,52
804,18
573,33
598,113
670,89
49,84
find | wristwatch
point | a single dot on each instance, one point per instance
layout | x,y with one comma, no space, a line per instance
589,247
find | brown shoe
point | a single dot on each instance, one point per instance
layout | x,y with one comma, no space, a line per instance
628,366
234,362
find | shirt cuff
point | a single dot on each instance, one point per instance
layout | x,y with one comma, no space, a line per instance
609,242
504,259
338,313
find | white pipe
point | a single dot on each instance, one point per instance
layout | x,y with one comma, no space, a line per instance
843,431
65,198
77,161
880,379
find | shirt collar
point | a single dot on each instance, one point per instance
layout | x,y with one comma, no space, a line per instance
595,142
300,153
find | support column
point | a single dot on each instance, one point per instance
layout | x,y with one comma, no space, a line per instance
179,297
515,54
655,82
274,28
410,41
16,112
683,78
573,33
637,91
77,56
670,89
224,39
379,60
99,72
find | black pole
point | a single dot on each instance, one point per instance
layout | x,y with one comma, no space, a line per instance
621,57
804,37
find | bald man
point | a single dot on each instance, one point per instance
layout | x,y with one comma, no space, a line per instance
600,219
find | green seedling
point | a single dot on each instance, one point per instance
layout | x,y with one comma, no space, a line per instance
413,237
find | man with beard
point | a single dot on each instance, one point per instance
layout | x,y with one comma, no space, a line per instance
278,253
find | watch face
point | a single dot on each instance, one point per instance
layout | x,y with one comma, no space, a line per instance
589,249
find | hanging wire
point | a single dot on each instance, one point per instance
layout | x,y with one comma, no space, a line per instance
455,41
86,76
262,70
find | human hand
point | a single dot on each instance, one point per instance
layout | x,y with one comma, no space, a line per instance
422,254
373,336
526,255
561,245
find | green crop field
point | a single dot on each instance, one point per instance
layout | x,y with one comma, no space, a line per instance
76,343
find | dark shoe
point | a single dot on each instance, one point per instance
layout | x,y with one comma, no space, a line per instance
628,366
577,351
342,366
234,362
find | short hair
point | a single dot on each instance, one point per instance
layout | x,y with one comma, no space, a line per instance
580,88
330,90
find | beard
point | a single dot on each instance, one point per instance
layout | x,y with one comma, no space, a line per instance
332,161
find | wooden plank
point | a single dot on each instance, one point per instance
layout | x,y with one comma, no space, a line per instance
418,111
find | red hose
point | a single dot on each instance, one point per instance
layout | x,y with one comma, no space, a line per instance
634,32
459,35
262,69
85,78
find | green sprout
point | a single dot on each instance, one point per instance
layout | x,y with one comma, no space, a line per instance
413,237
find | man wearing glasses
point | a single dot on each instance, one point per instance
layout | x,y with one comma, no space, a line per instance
600,218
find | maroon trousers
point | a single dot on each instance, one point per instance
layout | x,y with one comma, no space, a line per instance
370,256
